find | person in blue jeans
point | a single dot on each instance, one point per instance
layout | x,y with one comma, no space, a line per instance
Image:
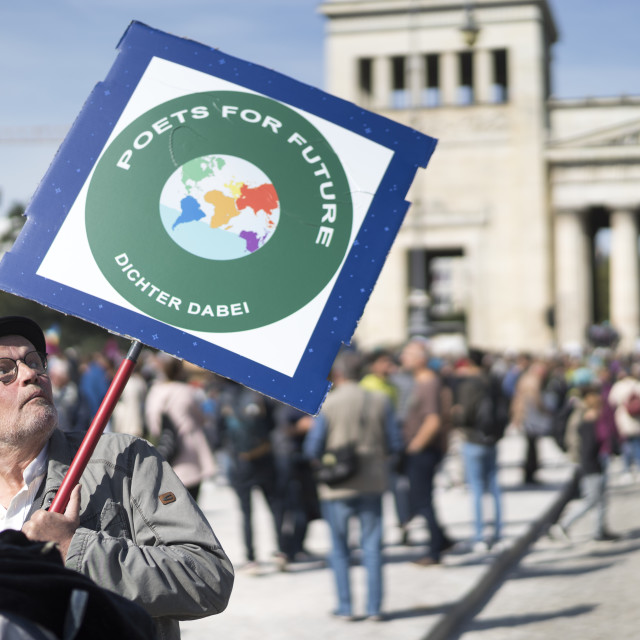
351,414
593,480
481,467
367,508
481,413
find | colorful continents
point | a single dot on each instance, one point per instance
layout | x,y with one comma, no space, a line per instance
219,207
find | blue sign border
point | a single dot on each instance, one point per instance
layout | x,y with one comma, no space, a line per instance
78,153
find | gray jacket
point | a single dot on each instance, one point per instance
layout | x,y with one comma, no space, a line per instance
136,540
352,414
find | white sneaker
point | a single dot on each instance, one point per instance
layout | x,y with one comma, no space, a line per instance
480,546
558,532
500,545
251,568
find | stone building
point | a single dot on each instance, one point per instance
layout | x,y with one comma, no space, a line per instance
500,241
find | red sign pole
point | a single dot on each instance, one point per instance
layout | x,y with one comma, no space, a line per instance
77,466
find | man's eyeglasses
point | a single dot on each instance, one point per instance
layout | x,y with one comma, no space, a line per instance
35,360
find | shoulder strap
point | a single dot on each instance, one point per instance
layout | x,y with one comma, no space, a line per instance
365,413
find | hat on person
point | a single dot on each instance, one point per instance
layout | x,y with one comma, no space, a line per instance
25,327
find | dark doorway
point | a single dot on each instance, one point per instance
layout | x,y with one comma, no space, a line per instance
598,228
439,273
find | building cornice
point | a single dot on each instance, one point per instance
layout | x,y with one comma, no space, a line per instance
336,9
593,102
593,155
620,143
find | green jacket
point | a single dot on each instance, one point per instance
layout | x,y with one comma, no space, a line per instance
161,554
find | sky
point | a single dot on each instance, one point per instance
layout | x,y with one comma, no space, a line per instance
53,52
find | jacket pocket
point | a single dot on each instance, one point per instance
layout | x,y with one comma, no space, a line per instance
113,520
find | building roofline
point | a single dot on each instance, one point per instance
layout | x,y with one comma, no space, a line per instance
352,8
603,101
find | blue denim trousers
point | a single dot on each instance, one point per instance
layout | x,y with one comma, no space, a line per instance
593,498
481,471
421,471
337,513
631,452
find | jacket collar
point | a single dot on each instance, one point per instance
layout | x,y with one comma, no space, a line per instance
62,448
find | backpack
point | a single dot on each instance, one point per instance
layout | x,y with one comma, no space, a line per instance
485,409
632,405
560,421
246,421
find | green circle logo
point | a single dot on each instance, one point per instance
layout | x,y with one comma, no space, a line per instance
219,211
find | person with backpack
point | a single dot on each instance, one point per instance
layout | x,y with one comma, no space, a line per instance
174,406
246,422
353,418
480,413
624,397
533,407
591,471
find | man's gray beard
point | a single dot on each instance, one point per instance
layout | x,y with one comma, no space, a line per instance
42,425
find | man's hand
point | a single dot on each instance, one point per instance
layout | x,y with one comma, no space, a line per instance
56,527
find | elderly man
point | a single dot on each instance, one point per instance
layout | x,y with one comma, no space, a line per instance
131,526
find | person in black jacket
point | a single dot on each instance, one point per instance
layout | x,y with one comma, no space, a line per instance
246,422
480,412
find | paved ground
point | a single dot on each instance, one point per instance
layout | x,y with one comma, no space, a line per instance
419,603
572,589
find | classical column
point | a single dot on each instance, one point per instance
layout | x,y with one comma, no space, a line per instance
573,278
416,75
624,283
449,78
483,77
382,82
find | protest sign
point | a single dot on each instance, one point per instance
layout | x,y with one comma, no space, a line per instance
218,211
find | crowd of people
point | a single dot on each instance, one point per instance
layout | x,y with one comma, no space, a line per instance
404,410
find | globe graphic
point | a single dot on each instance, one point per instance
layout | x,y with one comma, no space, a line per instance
219,207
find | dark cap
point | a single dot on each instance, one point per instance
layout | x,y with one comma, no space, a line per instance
25,327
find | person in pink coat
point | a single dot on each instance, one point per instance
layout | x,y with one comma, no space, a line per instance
172,396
